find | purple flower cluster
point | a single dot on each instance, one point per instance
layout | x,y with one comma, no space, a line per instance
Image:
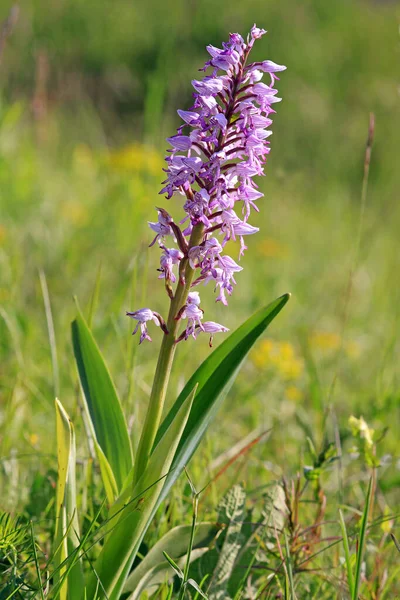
217,151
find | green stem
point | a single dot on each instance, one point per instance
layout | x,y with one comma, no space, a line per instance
190,548
164,363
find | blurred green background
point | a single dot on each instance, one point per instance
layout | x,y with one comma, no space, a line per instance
88,92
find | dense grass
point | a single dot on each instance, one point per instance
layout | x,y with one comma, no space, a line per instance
81,148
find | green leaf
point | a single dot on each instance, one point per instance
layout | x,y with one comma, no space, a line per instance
134,511
289,570
362,542
152,569
198,589
102,403
214,379
256,535
69,577
347,555
110,485
174,566
231,512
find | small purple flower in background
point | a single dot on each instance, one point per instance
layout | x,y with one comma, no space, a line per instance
222,144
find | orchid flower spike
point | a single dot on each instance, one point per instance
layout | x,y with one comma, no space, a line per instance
219,149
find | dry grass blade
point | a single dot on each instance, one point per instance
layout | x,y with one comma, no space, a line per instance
243,448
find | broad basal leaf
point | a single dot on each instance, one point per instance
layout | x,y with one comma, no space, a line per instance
103,405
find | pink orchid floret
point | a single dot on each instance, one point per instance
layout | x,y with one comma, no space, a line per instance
142,316
169,258
210,327
192,313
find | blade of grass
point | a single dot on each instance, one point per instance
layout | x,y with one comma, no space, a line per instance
195,506
175,541
14,592
394,577
395,542
51,332
94,298
350,578
362,542
289,567
35,560
173,565
202,582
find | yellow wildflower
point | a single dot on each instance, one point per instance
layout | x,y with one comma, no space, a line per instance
281,356
325,340
271,248
286,351
293,393
4,294
291,369
361,429
352,349
136,158
33,438
387,525
261,354
83,158
75,212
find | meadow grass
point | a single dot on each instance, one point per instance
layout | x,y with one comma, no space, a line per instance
78,182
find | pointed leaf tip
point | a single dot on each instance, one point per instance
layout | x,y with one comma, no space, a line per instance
214,379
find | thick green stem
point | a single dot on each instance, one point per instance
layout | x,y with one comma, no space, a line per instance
164,363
